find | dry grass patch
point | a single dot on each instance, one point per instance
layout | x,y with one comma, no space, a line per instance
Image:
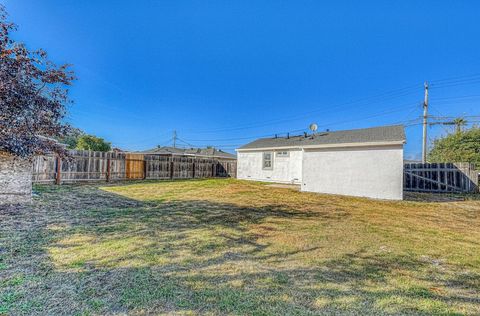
236,247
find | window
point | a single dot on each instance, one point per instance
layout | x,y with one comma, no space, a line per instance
283,153
267,161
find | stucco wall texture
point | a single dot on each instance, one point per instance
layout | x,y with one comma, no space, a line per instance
15,180
285,169
375,172
367,171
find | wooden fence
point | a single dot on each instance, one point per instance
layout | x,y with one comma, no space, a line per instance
83,166
134,166
440,177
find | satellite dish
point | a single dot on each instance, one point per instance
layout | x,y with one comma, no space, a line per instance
313,127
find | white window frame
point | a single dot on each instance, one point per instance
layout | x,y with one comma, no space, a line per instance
283,153
271,160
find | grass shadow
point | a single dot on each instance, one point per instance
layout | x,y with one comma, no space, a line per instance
84,250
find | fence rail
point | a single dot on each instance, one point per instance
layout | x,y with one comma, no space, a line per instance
84,166
440,177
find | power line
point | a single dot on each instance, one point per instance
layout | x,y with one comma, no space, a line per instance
165,143
380,97
456,78
395,93
453,117
445,82
440,83
145,140
459,102
457,83
457,97
475,78
303,129
443,127
185,142
413,122
402,108
409,123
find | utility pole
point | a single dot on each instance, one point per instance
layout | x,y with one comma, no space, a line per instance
425,115
174,138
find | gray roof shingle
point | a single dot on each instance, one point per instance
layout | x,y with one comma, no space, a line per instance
203,152
394,133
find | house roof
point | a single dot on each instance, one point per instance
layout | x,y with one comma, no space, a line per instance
380,135
204,152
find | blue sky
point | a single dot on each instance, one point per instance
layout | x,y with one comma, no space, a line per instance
225,72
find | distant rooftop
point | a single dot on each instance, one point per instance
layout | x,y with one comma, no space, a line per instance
394,133
203,152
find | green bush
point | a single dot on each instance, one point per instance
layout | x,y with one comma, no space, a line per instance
90,142
461,146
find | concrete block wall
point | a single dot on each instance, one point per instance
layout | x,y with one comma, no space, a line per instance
15,180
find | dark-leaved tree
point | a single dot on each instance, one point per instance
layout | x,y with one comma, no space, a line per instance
33,97
70,139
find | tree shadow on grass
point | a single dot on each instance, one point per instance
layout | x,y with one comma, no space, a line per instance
90,251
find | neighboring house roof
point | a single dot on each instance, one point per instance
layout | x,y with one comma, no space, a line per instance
164,151
210,152
380,135
203,152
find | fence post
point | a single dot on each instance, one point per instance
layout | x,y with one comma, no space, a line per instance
193,172
214,171
171,168
144,168
58,176
108,170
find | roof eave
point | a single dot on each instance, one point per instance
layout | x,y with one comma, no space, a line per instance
336,145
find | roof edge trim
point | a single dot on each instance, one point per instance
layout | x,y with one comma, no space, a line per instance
337,145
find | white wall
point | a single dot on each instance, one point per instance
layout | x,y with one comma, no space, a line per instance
285,169
375,172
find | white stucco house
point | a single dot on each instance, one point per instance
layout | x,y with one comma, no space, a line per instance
363,162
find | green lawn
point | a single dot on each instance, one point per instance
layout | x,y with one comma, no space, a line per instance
234,247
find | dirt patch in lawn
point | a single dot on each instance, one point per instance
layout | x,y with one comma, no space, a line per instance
295,187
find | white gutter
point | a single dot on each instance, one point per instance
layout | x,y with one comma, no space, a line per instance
337,145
